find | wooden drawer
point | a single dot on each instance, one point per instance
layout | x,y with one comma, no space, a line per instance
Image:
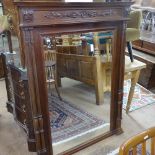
19,89
20,102
15,75
20,115
137,43
149,46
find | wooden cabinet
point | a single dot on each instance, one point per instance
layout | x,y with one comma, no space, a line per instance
144,46
19,100
22,106
146,43
147,75
19,96
78,67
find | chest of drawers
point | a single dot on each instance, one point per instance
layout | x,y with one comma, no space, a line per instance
19,100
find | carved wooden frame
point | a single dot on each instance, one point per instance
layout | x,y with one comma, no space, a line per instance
33,31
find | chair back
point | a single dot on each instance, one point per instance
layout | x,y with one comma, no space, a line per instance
50,64
50,55
139,143
135,19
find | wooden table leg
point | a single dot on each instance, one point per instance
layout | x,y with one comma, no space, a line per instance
99,82
134,80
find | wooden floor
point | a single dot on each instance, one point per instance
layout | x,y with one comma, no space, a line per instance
12,141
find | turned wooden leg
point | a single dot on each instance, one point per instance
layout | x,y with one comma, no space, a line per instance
99,82
134,80
99,74
108,50
99,94
56,87
57,78
58,81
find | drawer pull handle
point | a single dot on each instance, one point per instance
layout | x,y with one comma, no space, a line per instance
22,94
23,108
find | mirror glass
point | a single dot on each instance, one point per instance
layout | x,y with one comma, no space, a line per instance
78,77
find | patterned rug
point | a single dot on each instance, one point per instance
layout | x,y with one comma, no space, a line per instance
141,98
69,122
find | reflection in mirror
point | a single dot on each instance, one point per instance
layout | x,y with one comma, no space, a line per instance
78,77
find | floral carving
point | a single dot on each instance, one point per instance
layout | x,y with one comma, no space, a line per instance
79,14
27,15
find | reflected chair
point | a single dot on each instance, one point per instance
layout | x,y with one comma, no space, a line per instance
50,69
138,144
133,30
4,30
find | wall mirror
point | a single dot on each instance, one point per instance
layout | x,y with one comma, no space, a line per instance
73,56
77,112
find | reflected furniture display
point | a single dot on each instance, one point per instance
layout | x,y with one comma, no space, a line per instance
78,61
75,62
37,20
133,30
142,143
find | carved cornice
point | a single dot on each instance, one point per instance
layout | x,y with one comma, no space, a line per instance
79,14
27,15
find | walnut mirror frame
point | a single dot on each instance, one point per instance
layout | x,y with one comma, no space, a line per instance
38,19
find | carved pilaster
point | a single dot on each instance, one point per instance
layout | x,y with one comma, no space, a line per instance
33,84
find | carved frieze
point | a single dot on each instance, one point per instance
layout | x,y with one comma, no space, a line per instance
79,14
